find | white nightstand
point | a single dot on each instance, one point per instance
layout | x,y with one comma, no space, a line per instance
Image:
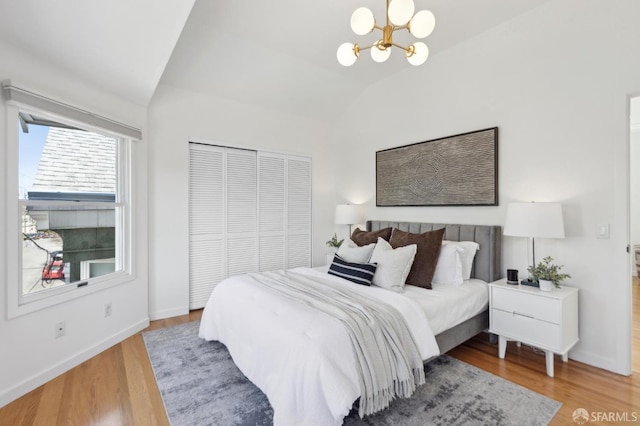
545,319
329,258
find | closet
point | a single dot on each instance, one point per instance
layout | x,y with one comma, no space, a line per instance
248,211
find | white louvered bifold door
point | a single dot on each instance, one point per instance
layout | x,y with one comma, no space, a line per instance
298,211
242,211
271,211
206,222
248,211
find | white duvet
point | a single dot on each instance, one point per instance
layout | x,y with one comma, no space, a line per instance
448,305
300,358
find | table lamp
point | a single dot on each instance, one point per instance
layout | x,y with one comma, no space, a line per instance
534,220
348,214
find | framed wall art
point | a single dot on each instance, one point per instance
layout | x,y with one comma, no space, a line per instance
460,170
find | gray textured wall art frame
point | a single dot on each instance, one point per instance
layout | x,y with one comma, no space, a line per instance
460,170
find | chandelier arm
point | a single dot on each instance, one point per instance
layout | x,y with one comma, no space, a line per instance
406,49
366,47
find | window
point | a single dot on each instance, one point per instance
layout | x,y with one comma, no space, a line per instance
70,230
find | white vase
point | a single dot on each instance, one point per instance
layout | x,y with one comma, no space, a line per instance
546,285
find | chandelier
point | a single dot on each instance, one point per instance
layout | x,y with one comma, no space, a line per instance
399,17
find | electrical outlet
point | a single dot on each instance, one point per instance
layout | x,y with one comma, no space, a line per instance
107,310
61,329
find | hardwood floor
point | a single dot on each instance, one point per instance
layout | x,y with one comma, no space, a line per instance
117,387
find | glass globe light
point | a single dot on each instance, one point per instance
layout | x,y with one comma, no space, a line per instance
422,24
346,54
400,11
420,53
362,21
378,54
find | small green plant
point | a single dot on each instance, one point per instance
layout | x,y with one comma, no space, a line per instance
545,270
334,241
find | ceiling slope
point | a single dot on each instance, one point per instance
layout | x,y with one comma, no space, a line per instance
121,46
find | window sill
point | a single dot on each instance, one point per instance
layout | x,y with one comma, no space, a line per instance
45,299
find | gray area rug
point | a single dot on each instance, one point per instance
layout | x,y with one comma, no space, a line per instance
201,385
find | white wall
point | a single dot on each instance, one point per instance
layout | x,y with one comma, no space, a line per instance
634,151
177,116
634,154
556,82
29,354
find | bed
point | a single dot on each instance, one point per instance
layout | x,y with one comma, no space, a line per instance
310,370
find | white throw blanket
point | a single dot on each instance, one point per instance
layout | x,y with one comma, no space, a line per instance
303,359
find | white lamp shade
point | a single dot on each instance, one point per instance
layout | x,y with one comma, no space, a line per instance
422,24
348,214
420,54
380,55
346,54
362,21
400,11
537,220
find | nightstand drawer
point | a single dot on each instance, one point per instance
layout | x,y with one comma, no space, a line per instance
516,326
528,304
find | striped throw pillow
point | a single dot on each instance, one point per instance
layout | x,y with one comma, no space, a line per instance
359,273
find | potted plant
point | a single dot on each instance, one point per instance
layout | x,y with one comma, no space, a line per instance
547,275
334,242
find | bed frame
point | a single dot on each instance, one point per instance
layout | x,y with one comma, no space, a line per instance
486,267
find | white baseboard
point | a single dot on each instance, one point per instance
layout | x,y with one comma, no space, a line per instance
54,371
168,313
597,361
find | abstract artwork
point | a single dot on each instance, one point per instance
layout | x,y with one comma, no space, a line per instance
460,170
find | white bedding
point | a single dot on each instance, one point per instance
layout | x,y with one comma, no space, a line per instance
300,358
448,305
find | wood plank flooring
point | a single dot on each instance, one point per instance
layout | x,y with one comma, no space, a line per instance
117,387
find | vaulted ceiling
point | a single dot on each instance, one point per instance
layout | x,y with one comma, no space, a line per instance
121,46
279,55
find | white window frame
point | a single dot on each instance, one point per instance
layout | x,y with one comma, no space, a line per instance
85,266
20,304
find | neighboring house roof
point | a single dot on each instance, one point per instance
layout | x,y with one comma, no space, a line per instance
76,161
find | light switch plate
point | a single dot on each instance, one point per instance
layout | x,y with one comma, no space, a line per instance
603,231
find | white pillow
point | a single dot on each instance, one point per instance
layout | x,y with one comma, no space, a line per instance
449,267
350,251
470,248
393,265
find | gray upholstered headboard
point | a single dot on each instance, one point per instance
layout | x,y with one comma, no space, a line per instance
486,265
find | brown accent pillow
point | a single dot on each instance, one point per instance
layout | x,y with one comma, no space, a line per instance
424,264
362,238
